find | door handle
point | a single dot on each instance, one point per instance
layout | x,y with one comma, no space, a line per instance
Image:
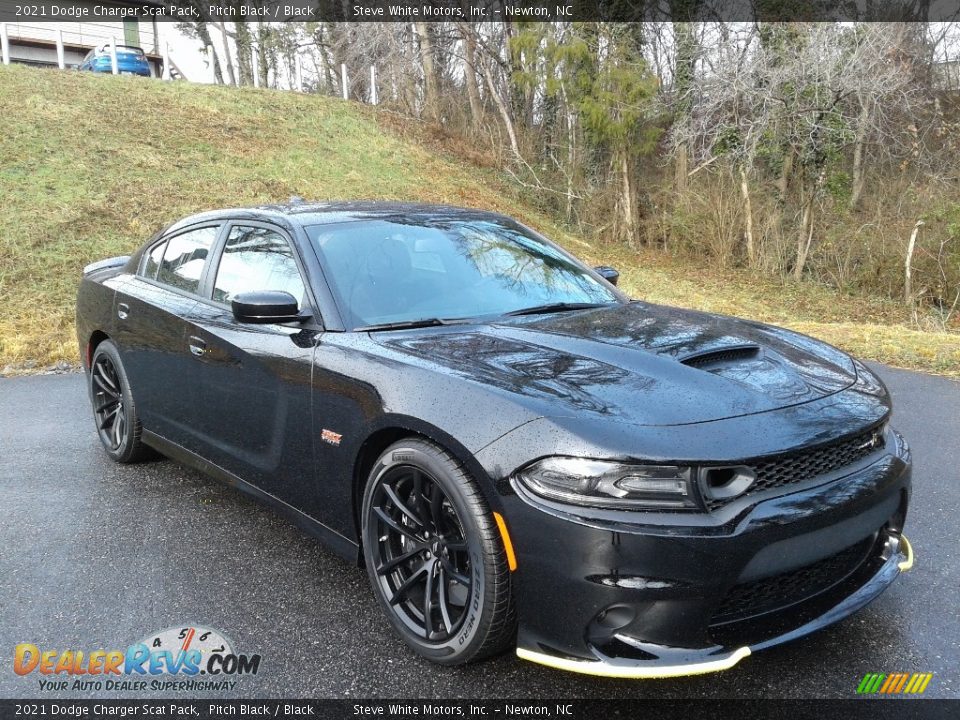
198,346
123,311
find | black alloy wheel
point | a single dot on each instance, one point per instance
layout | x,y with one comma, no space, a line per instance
434,555
114,411
423,564
108,404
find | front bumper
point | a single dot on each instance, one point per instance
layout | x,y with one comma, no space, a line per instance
654,600
716,659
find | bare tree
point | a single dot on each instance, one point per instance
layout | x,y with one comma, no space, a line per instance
801,97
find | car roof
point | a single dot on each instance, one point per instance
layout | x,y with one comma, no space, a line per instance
327,212
119,46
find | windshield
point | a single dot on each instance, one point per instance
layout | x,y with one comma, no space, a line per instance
390,271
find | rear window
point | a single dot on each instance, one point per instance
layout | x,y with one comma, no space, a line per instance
185,257
151,261
122,49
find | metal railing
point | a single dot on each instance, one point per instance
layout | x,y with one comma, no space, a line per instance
86,34
57,35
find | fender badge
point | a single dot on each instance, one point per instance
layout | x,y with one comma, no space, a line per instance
329,436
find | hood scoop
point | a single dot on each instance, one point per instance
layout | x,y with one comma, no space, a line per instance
729,353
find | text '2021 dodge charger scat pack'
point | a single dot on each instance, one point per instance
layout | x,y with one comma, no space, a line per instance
518,453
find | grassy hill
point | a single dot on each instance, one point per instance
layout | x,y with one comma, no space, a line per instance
90,166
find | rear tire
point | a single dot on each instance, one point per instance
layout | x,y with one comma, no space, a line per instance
434,555
114,411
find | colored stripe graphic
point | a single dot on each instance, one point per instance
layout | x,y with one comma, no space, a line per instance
894,683
891,684
891,679
870,683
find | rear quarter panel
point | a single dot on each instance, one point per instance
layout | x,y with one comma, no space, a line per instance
95,300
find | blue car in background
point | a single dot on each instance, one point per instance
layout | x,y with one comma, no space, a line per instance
130,60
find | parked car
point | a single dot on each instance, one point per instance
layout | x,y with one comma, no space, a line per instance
130,61
516,450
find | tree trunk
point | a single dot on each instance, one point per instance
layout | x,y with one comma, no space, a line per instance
748,218
264,46
685,54
571,160
627,200
470,72
856,191
504,113
430,91
908,265
244,52
203,33
681,168
515,95
226,55
322,60
783,182
804,238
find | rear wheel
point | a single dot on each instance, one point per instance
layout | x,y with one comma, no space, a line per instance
114,411
434,555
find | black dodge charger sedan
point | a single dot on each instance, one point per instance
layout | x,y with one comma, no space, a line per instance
515,450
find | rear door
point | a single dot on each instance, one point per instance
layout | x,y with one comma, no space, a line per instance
154,310
253,401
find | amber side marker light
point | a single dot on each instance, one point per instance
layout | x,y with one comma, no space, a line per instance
507,543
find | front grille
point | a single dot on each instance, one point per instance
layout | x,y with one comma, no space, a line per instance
795,467
781,591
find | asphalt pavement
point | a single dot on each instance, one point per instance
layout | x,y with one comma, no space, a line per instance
97,555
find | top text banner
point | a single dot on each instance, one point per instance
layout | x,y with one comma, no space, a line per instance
481,10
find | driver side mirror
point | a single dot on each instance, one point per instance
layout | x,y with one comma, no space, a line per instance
608,273
266,307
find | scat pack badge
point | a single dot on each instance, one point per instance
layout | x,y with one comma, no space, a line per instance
191,657
330,437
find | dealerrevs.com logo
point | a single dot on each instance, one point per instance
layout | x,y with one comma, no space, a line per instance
179,658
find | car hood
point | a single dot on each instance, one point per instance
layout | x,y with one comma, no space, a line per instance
636,362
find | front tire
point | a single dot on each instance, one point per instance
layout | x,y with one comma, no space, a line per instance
114,411
434,555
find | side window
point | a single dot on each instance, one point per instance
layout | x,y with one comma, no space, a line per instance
152,259
184,258
257,259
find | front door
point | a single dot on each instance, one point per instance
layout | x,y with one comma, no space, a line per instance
254,399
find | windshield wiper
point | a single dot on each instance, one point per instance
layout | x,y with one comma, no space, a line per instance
410,324
555,307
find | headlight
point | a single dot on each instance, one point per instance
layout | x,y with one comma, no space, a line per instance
610,484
